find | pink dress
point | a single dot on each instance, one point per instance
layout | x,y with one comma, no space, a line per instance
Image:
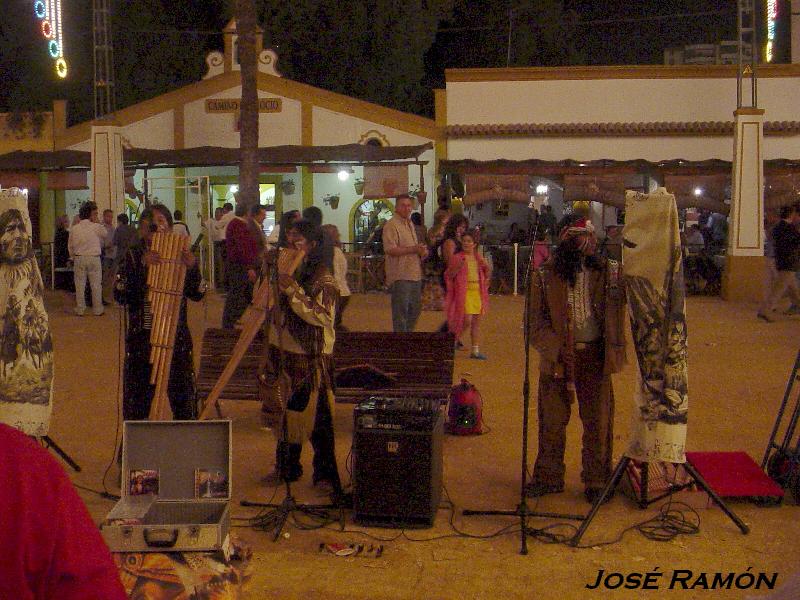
457,280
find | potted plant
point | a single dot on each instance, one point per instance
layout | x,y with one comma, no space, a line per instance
332,200
358,184
287,186
419,196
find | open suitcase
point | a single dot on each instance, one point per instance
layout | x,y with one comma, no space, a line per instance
176,487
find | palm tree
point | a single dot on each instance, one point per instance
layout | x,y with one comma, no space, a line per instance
246,25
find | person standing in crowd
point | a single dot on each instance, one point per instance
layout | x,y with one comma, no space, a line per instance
456,226
61,253
611,246
109,255
301,339
436,232
404,254
576,312
331,233
131,291
419,227
433,266
179,226
547,221
245,243
786,241
541,249
221,228
85,244
313,214
467,278
278,235
125,236
51,547
212,225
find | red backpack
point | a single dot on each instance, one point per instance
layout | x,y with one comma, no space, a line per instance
464,412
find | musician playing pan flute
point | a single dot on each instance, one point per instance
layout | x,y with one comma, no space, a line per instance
301,338
132,291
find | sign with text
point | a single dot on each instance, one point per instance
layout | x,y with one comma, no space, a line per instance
231,105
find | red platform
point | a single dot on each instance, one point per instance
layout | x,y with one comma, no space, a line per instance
734,475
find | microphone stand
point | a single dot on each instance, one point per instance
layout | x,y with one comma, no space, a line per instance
522,511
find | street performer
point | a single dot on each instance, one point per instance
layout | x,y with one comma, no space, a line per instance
131,291
301,338
576,307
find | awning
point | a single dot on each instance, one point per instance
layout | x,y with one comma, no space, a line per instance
213,156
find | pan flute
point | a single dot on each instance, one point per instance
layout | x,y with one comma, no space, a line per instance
165,282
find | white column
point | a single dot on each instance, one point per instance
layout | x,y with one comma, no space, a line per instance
743,276
108,179
746,236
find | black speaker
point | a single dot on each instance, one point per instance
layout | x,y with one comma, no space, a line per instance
397,470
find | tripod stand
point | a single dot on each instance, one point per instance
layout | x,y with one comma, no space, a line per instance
617,476
275,519
522,511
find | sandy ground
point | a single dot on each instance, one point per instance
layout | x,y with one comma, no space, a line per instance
738,372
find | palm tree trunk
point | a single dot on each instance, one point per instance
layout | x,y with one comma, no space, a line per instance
248,132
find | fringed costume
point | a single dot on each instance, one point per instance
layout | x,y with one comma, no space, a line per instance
301,338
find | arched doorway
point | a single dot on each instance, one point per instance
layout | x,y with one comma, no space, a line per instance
366,216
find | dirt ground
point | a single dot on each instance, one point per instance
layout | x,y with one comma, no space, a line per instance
738,372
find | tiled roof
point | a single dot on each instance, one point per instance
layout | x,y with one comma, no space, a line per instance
649,129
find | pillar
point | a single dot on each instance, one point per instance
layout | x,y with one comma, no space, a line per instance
744,270
108,179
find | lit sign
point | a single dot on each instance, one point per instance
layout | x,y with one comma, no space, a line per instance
231,105
49,13
772,17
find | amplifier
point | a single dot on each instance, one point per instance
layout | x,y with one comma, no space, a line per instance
397,414
397,462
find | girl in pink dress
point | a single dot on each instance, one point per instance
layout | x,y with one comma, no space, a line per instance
467,279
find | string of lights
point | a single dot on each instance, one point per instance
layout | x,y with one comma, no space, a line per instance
49,13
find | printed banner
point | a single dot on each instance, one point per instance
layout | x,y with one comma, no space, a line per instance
657,308
26,349
385,181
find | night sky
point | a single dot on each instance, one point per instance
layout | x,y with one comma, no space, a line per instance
608,32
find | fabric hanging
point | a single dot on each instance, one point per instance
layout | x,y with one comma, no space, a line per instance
385,181
657,308
26,348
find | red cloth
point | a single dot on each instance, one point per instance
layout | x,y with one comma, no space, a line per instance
455,278
49,545
541,252
241,244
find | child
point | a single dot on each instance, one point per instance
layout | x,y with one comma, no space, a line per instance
467,278
339,272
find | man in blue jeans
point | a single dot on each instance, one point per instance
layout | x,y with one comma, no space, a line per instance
403,256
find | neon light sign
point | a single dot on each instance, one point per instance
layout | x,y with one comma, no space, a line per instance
49,13
772,18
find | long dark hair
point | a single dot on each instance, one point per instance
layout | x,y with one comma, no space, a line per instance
287,219
319,257
568,258
452,225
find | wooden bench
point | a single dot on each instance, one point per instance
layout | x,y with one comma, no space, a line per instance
420,363
215,352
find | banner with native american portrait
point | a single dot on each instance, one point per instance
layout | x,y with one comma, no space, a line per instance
657,308
26,349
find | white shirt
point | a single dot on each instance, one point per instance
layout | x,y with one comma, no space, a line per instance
180,229
222,225
85,238
340,271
